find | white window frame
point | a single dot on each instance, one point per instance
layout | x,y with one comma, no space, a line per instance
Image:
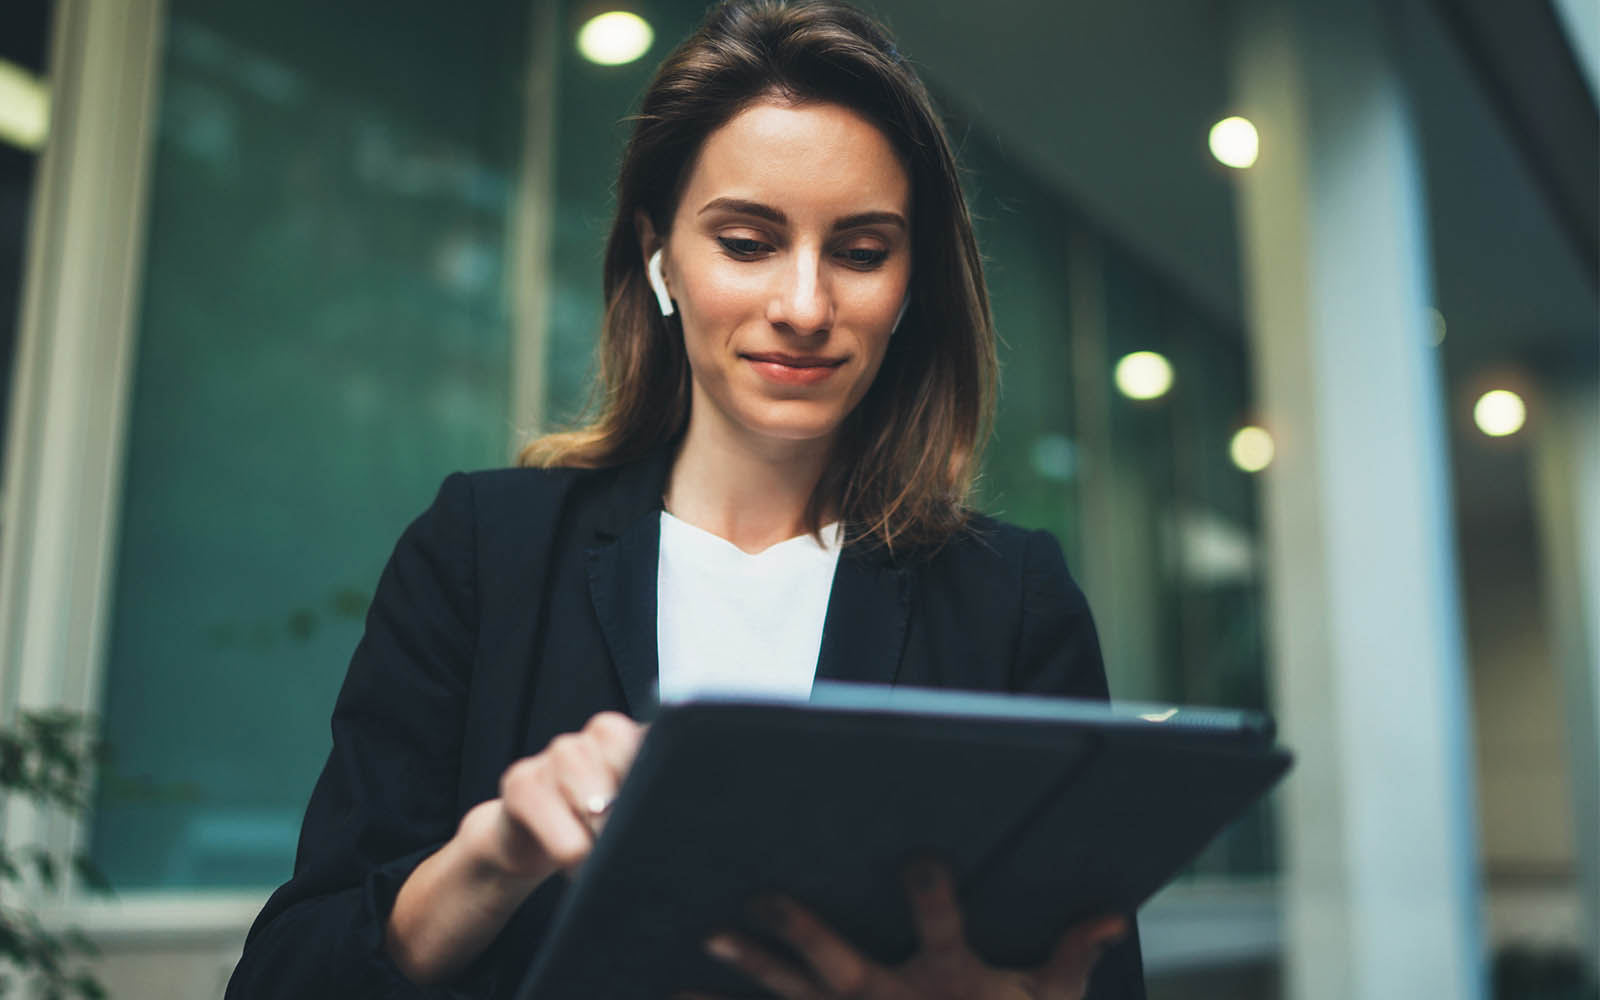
75,351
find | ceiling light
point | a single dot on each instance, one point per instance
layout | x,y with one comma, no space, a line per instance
1144,375
1251,449
1499,412
1436,326
24,108
1234,142
615,37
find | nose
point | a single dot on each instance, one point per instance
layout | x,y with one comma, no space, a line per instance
802,302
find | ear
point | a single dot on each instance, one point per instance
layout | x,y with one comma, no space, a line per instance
649,240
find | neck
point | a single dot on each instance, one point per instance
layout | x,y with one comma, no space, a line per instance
751,492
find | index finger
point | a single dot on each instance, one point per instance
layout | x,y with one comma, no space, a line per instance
616,738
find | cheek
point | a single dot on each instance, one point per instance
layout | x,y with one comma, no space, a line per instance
699,348
709,314
877,306
715,299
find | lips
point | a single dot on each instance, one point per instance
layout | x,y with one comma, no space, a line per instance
793,369
795,360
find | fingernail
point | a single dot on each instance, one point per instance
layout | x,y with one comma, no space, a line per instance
722,947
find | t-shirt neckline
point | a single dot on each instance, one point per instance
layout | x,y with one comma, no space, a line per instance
832,538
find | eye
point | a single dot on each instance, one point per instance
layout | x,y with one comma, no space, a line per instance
741,247
864,258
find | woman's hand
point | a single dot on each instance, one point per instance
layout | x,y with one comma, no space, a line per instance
945,967
550,809
553,804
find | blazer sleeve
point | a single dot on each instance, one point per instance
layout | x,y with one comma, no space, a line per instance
1058,651
387,797
1059,654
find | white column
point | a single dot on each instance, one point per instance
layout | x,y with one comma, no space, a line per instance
75,352
1566,483
1381,893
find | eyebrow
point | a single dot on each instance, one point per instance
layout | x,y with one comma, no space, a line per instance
776,216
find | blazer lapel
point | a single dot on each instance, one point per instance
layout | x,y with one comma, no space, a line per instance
622,585
865,627
622,578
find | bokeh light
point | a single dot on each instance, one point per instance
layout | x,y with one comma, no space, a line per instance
1234,142
1143,375
615,37
1251,448
24,108
1500,412
1436,327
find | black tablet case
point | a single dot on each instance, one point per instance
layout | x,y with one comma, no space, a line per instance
1047,810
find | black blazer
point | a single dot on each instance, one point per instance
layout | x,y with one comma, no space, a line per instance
521,603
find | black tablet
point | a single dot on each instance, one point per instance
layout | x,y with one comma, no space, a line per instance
1047,810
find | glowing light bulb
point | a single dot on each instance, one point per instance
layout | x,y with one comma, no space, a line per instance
615,37
1500,412
1251,449
1234,142
1143,375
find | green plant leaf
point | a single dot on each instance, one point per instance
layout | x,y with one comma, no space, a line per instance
45,867
13,944
49,758
88,987
90,874
78,941
13,758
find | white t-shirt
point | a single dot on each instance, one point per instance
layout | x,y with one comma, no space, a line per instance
728,621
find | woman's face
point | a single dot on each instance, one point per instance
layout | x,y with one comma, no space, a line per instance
789,257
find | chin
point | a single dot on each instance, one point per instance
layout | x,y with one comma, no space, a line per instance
789,422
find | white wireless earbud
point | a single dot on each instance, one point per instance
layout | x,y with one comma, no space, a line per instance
905,304
658,284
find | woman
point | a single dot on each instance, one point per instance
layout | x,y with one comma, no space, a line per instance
797,365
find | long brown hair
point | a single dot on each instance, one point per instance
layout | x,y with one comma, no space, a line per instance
904,460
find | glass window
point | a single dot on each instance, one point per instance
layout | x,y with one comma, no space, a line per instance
324,333
1031,467
1187,516
590,134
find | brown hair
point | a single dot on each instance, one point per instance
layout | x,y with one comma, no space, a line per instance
905,458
